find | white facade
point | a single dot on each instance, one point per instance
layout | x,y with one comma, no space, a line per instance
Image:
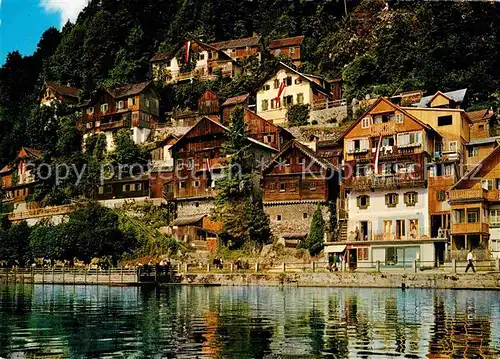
299,89
381,220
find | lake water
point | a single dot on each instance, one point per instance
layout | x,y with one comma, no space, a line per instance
247,322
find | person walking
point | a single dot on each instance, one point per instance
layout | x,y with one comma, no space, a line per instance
470,264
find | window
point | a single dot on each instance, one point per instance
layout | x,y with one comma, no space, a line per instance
47,93
278,217
104,107
101,190
282,187
411,198
182,185
180,163
413,228
277,51
196,184
399,118
190,163
312,186
441,196
300,98
131,101
291,50
202,57
445,120
400,229
146,103
298,81
453,146
495,217
266,87
120,105
288,100
304,215
458,216
90,111
481,127
287,81
391,199
276,84
138,187
409,139
365,122
487,184
265,105
363,202
448,170
472,215
473,151
268,139
362,254
360,145
387,227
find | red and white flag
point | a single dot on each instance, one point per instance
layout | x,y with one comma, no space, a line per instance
377,155
280,92
187,47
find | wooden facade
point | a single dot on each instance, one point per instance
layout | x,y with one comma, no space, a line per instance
129,106
124,188
199,159
53,92
299,174
17,180
244,101
290,47
265,131
208,104
240,49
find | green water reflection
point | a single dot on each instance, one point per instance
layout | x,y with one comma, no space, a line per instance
247,322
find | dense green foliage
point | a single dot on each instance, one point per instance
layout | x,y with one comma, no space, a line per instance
315,238
237,205
379,48
298,115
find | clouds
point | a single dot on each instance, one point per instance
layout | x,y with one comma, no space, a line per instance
67,9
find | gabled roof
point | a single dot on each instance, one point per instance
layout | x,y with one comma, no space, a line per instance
456,96
188,221
128,90
280,129
160,56
406,113
479,115
483,141
236,43
224,129
305,150
288,41
236,100
24,152
314,84
493,154
63,90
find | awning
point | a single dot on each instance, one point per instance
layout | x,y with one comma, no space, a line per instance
338,248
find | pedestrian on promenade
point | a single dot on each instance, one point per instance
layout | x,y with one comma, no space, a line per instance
470,258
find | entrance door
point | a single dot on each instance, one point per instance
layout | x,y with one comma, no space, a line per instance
352,258
364,230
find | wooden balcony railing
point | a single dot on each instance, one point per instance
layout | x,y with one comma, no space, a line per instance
406,180
383,129
469,228
113,125
467,194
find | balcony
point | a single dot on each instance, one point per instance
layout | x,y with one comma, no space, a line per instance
382,129
470,228
467,195
389,181
105,126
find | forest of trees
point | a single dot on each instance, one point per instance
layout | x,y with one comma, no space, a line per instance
379,48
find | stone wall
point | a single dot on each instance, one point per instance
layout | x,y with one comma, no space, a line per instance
356,280
328,115
194,208
295,218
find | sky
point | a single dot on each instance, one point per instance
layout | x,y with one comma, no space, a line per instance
22,22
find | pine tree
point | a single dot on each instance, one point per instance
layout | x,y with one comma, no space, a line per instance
315,239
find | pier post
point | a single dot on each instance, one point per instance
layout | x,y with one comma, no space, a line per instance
53,275
378,266
85,276
97,274
283,268
63,274
109,278
231,267
414,266
497,264
314,267
208,268
74,275
43,275
256,267
454,265
121,274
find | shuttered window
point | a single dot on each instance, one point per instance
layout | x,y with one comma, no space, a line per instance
391,199
411,198
363,202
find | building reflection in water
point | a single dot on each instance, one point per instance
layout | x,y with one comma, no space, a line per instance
248,322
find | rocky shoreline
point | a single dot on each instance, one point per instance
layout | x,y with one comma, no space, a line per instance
486,281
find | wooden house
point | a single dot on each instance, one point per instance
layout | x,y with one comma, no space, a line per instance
125,188
451,99
386,152
265,131
196,60
290,47
161,183
240,49
208,104
475,205
53,92
17,180
135,106
199,161
199,231
245,101
484,124
294,184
